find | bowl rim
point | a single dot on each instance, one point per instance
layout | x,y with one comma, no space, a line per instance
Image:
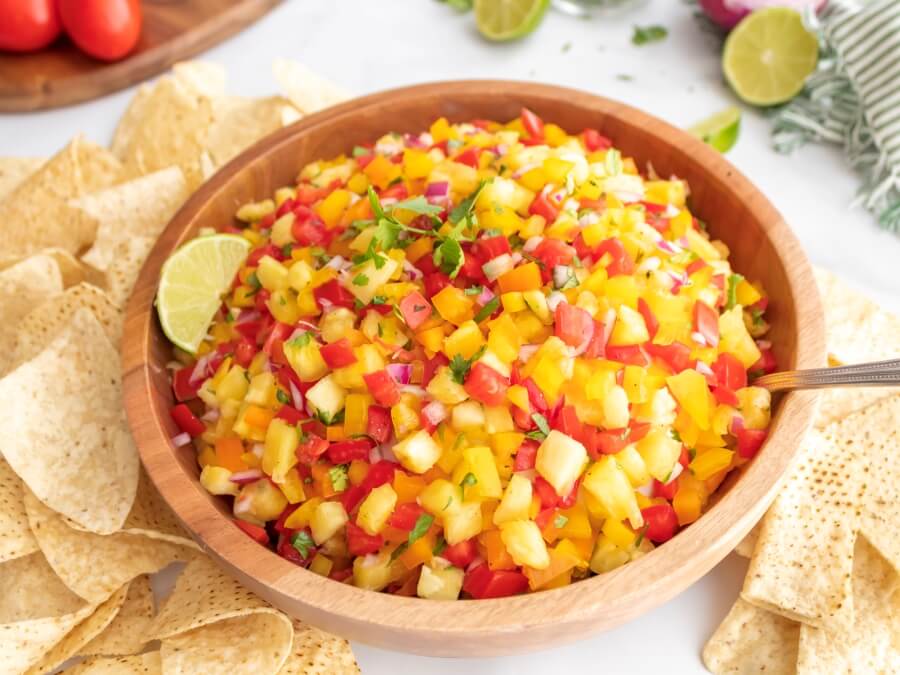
567,613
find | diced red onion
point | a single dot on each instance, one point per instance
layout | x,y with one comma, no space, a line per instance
646,489
680,280
703,369
764,344
375,455
413,141
478,560
683,242
413,271
531,243
517,257
500,149
554,299
296,396
665,245
258,449
401,372
676,471
244,477
497,267
582,346
211,415
561,274
699,338
308,326
737,424
413,389
527,351
336,263
438,189
246,317
242,506
326,304
435,412
180,440
485,296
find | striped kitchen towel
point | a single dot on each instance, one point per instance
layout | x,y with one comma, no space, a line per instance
853,98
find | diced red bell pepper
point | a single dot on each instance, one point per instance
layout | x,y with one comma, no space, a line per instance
552,252
695,266
380,473
685,457
290,414
725,396
621,262
415,310
594,140
249,329
331,292
706,322
526,455
545,517
186,420
729,371
461,554
287,551
311,449
543,206
573,325
383,387
338,354
569,500
398,191
309,194
545,492
244,351
258,254
566,421
261,301
749,441
676,355
492,247
533,125
661,522
308,230
481,582
435,283
535,396
650,319
360,542
342,452
630,355
182,387
665,490
275,339
351,497
255,532
765,365
379,425
405,516
486,385
469,157
611,442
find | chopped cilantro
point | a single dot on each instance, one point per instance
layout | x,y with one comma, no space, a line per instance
486,311
360,280
468,480
358,304
419,529
303,543
449,502
359,151
338,476
560,521
757,316
459,366
692,452
418,205
282,396
566,47
640,538
301,340
464,208
647,34
253,282
733,281
474,290
541,423
439,546
286,250
229,317
449,257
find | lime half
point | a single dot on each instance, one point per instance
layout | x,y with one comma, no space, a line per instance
503,20
769,55
721,130
192,283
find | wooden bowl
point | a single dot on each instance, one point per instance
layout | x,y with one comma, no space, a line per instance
762,247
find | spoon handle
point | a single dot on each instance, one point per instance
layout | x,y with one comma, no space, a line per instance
877,374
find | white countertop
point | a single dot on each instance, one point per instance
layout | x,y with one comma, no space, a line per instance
365,46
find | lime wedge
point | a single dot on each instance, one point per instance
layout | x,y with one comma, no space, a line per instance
192,283
721,130
504,20
769,55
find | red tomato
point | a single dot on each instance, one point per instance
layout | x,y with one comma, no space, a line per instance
360,542
461,554
482,582
255,532
621,262
544,206
312,448
630,355
730,372
676,355
186,420
534,125
383,388
665,490
573,325
27,25
486,385
379,424
649,317
526,455
706,322
415,309
346,451
405,516
492,247
552,252
182,387
594,140
244,351
749,441
106,29
545,492
662,522
332,292
469,157
596,348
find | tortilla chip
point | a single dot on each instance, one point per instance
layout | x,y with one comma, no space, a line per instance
72,269
857,330
130,121
128,259
65,430
23,286
318,653
747,544
37,214
247,645
138,208
803,558
140,664
202,77
95,565
868,647
16,539
14,170
36,611
170,128
752,640
89,628
306,90
127,634
39,328
240,122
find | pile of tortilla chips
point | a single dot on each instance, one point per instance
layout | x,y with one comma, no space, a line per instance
82,529
822,593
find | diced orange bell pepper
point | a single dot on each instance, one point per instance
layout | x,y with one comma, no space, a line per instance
525,277
420,247
322,481
498,558
392,535
357,471
258,417
381,172
420,551
228,453
561,561
687,504
407,487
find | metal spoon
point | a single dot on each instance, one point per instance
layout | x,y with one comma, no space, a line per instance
877,374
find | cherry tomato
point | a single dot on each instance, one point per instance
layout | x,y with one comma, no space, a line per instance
27,25
106,29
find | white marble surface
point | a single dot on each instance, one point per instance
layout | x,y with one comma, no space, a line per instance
366,46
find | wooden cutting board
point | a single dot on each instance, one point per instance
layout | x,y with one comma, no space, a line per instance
173,30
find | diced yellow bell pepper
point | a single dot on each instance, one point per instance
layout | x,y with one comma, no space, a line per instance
417,163
691,391
279,454
333,206
465,341
710,461
453,305
292,487
619,533
356,414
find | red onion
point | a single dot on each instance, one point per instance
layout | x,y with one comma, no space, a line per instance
497,267
242,506
375,455
703,369
244,477
531,243
401,372
439,189
435,412
478,560
554,299
485,296
665,245
527,351
211,415
413,389
582,346
413,141
764,344
337,263
181,440
737,425
413,271
700,339
296,396
199,372
246,317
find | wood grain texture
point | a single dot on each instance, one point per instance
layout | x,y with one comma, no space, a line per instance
762,246
173,30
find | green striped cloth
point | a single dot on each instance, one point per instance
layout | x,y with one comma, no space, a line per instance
853,99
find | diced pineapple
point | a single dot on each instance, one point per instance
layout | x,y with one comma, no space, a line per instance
440,497
300,275
272,274
467,415
217,480
692,392
279,454
755,404
261,390
629,328
497,419
305,358
525,544
462,522
321,565
607,556
536,301
327,519
292,487
445,389
516,501
660,453
373,572
327,396
417,453
615,408
365,280
560,460
633,463
233,386
376,508
336,324
608,483
465,341
283,230
480,461
261,500
440,583
734,338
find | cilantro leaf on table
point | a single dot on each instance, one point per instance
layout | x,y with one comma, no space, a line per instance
647,34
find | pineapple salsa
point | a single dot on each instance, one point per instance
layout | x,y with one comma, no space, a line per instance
474,362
